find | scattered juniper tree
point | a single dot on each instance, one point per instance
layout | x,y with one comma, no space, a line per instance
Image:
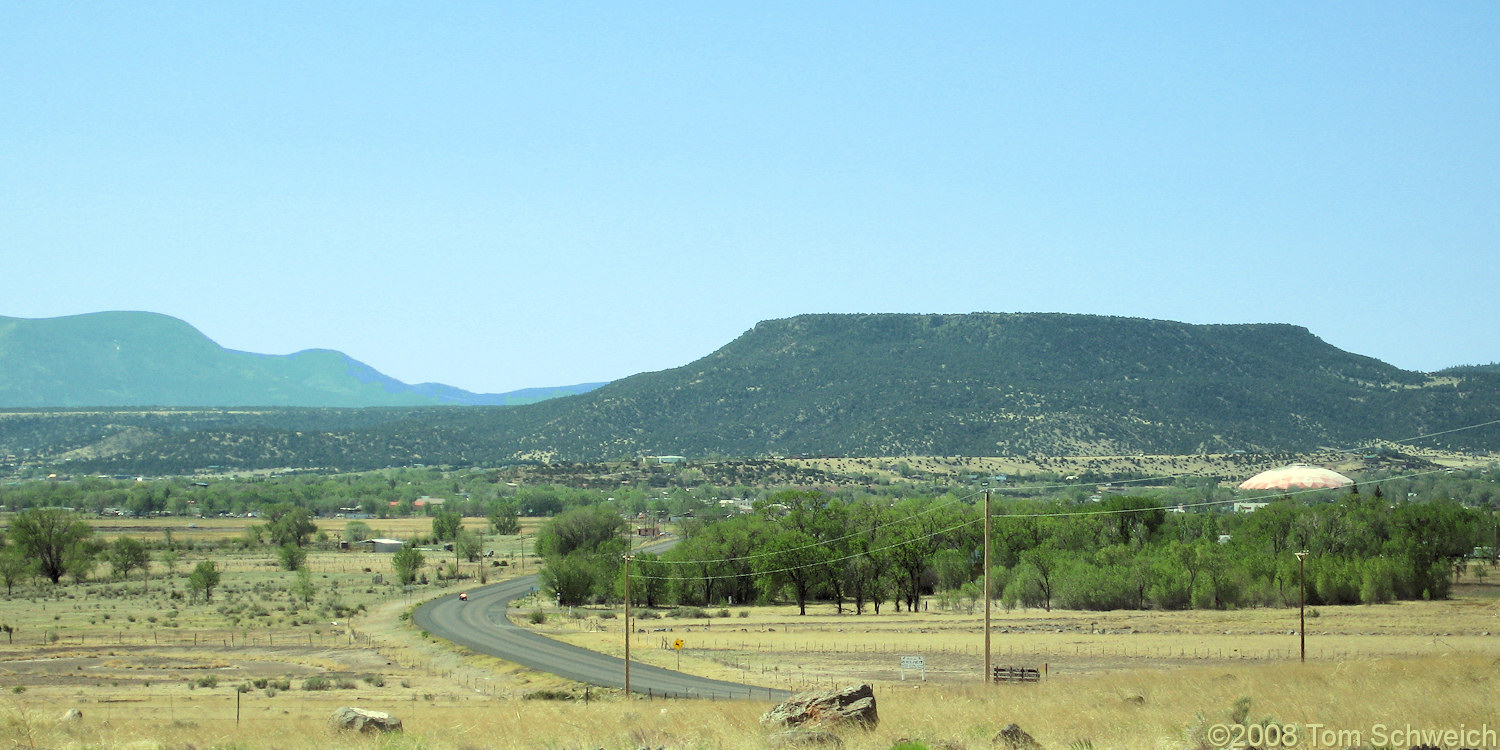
204,579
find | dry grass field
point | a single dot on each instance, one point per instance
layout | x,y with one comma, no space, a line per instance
773,646
150,671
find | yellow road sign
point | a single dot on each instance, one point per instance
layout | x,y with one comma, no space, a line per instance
677,644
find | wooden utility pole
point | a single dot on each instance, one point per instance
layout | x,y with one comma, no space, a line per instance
986,585
627,626
1302,600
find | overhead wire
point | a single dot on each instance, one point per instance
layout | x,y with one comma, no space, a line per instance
1007,516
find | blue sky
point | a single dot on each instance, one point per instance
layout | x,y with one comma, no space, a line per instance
499,196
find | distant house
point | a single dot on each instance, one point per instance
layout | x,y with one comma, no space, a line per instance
1248,507
425,501
670,459
382,545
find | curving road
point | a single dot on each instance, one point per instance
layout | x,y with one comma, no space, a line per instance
480,625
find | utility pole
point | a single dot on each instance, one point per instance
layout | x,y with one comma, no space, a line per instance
987,584
1302,600
627,626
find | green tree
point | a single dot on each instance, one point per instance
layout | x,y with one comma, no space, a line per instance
1043,563
445,525
46,535
587,529
503,519
170,558
648,580
793,559
910,549
356,531
303,589
14,566
204,579
81,558
406,562
291,556
953,568
126,554
468,545
289,524
572,578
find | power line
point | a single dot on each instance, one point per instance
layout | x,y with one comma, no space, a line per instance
1010,516
971,522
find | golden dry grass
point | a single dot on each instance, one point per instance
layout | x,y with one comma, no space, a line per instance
1140,708
1116,679
773,646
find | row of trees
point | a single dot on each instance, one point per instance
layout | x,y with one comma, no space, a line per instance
1127,552
53,543
392,493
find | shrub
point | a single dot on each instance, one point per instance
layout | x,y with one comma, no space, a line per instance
548,695
537,617
317,683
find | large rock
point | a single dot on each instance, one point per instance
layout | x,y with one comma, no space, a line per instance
360,720
73,715
1013,737
853,705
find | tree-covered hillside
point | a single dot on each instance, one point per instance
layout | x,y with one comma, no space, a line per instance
1008,385
864,385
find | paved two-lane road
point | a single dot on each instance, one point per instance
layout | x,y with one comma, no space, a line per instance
480,625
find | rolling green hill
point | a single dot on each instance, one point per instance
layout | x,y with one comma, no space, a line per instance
866,385
115,359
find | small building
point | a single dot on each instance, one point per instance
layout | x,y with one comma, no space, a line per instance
382,545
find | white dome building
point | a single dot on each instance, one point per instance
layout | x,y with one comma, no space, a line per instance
1296,477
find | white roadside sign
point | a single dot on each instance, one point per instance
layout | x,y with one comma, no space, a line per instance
914,663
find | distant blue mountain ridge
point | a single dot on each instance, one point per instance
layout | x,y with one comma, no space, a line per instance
142,359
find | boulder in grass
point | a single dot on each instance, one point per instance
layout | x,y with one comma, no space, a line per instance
359,720
853,705
1013,737
73,715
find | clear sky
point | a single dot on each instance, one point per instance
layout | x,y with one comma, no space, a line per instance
506,195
